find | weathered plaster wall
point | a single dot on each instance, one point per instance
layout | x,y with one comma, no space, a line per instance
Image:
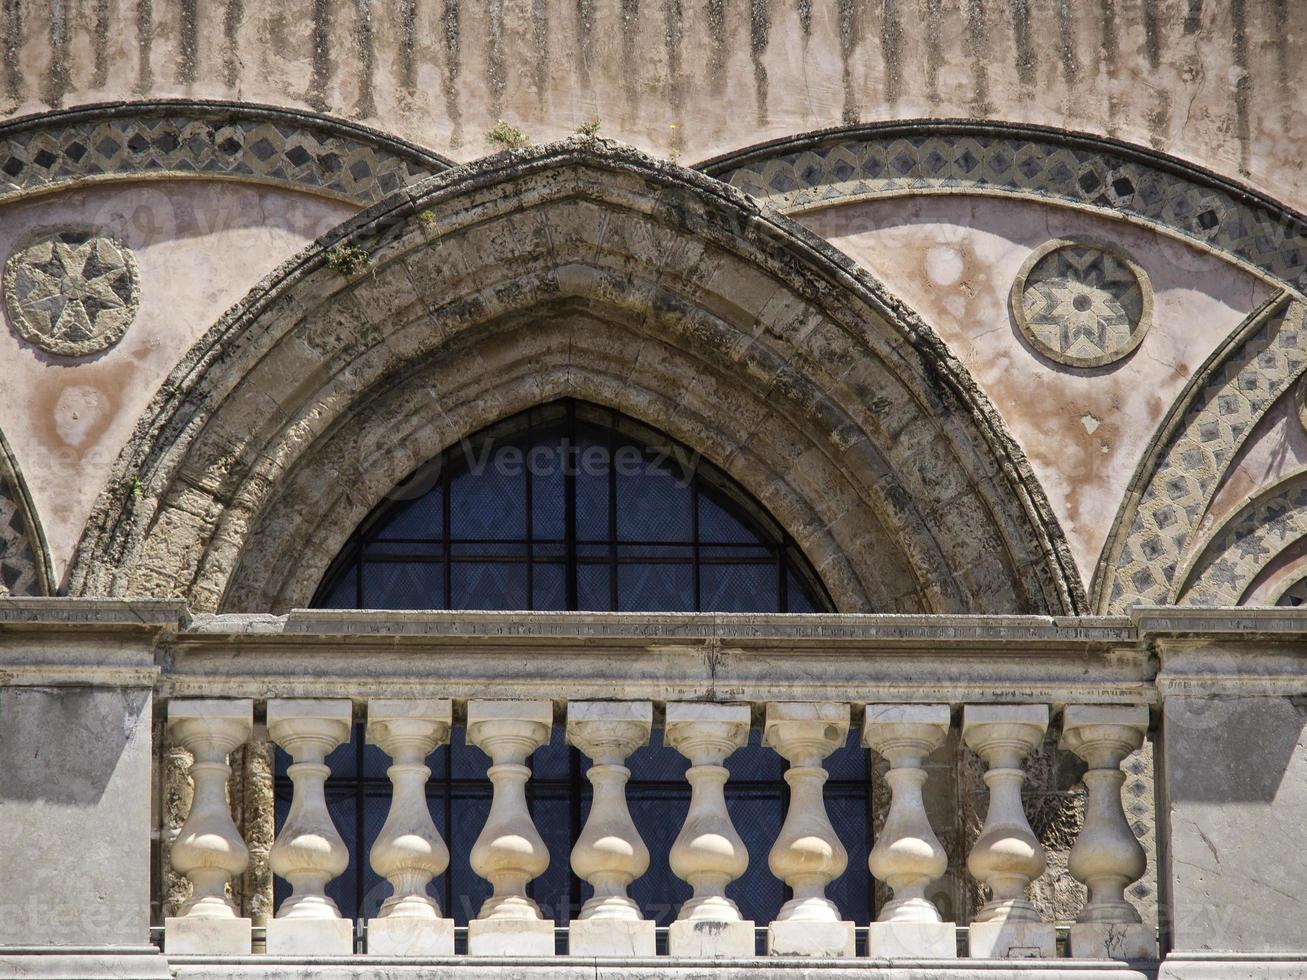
1084,429
1215,81
200,248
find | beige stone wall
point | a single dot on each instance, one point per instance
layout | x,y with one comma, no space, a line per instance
1217,83
200,247
1084,430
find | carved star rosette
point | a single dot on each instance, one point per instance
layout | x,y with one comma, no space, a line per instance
72,292
1082,303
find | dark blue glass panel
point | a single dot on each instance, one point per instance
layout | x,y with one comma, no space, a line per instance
592,490
489,502
403,585
719,526
344,593
798,598
653,501
548,498
593,588
737,588
549,586
418,517
487,585
655,587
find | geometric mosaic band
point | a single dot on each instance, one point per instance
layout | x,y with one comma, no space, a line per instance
1179,476
1241,549
1087,173
207,139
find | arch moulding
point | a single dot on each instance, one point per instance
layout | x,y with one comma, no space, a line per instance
576,269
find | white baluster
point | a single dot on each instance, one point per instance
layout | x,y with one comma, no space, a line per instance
908,856
708,853
209,849
807,854
1007,856
509,853
1106,856
609,854
309,852
409,851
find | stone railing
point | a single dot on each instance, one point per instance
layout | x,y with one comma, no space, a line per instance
708,853
905,684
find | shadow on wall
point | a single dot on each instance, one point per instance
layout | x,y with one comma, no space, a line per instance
62,745
1234,750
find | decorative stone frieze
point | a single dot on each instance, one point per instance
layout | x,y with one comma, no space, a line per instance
609,854
309,851
1106,857
807,854
509,852
208,848
907,855
708,852
71,291
1007,856
409,850
1082,303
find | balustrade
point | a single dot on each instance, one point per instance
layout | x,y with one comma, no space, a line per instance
709,853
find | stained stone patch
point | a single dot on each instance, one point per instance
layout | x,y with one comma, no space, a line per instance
72,292
1080,303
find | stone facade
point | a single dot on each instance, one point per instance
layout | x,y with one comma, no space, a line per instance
989,326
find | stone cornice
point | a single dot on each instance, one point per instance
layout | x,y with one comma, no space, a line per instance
691,656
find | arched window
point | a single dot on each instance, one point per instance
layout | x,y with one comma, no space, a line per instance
570,506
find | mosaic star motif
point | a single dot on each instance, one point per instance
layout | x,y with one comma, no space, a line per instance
1081,304
72,292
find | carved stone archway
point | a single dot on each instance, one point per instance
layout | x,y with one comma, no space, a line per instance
587,270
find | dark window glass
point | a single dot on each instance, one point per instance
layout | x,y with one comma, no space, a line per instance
572,506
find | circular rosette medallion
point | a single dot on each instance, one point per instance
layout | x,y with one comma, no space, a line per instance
1082,303
72,291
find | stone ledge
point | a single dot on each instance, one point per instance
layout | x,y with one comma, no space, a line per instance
658,968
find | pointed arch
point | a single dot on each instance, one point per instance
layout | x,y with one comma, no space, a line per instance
25,568
585,270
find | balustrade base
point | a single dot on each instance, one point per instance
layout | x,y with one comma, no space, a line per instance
611,937
1113,941
1234,966
213,937
1011,940
710,939
510,937
310,937
912,940
796,938
399,936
